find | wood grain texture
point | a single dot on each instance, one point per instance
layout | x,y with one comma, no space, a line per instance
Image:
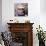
23,27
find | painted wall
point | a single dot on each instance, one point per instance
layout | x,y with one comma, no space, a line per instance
0,15
43,6
8,11
34,15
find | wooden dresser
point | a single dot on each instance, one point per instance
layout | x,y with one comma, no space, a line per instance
22,33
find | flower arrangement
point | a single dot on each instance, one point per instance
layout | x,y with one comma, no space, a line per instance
40,34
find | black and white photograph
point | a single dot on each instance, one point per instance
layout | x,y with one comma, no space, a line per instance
21,9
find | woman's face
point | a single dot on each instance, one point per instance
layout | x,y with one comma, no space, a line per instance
20,11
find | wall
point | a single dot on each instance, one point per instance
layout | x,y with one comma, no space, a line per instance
34,15
0,14
43,6
8,11
43,14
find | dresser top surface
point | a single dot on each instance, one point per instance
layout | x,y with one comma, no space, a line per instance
19,23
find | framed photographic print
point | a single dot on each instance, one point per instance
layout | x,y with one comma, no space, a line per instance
21,9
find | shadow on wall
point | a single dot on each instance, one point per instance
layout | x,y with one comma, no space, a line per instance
43,6
0,15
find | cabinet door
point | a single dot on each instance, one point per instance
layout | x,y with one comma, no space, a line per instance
20,37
